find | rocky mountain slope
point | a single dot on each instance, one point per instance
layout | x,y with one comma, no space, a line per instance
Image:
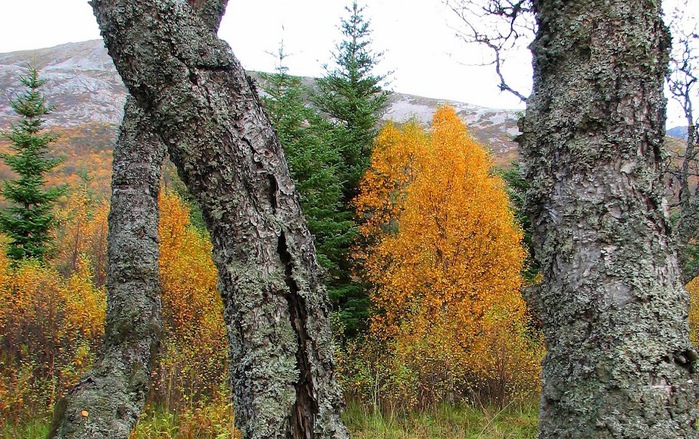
81,83
85,88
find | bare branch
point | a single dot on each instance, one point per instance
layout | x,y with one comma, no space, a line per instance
501,26
683,85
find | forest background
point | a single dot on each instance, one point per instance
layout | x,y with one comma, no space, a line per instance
412,333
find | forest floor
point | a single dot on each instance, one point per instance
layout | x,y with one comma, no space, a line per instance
444,422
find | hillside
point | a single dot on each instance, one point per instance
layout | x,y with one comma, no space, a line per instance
86,89
81,83
88,96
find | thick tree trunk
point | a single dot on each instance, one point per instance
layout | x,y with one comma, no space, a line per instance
108,401
619,362
276,310
134,289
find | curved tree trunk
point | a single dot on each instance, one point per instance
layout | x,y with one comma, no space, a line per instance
111,386
276,310
108,401
619,362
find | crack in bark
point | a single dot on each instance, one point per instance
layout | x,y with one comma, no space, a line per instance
272,191
302,418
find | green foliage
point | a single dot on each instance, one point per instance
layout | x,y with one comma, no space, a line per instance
516,190
29,219
313,162
213,420
34,429
446,421
351,95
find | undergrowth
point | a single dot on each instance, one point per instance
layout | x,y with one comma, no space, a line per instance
447,421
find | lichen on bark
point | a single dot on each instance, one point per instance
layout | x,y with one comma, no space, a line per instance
614,313
276,310
108,400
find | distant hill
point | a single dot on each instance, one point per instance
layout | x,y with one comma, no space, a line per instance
82,83
85,88
678,132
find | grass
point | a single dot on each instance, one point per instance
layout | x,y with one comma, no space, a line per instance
447,421
34,429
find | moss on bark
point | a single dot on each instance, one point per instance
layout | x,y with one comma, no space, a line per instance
619,362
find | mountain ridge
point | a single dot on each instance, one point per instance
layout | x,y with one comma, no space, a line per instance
84,87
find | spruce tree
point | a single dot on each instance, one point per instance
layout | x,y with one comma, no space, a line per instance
29,218
313,161
351,95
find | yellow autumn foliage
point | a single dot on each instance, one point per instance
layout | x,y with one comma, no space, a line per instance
82,233
193,358
52,315
444,258
50,328
693,289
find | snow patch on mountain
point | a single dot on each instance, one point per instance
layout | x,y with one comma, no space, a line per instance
84,86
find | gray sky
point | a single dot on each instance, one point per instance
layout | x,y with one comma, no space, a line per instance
417,38
419,45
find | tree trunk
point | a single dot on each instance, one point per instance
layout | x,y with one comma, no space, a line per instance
619,362
108,401
276,310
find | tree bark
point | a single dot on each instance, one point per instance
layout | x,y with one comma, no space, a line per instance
206,110
619,361
108,401
111,385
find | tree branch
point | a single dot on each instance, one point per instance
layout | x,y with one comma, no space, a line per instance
498,25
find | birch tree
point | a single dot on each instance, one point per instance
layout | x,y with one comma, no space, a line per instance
206,111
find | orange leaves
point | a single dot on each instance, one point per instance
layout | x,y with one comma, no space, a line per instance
50,328
52,316
395,160
444,251
193,350
188,274
443,231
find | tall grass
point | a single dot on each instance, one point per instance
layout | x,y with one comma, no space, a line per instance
447,421
34,429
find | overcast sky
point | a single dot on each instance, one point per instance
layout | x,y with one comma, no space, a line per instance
417,37
419,45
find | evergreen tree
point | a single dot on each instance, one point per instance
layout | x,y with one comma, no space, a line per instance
29,218
313,161
517,187
351,95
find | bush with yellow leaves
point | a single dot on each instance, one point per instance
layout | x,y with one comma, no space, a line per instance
444,255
